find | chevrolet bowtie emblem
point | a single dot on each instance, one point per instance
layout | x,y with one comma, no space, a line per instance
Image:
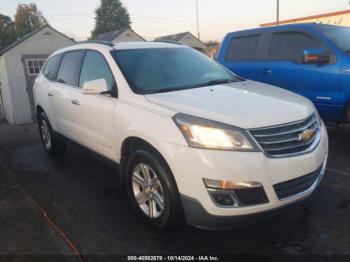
306,135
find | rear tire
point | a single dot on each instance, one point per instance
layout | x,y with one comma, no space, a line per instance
52,143
152,190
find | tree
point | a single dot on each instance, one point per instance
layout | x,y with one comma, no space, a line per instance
8,32
111,15
28,18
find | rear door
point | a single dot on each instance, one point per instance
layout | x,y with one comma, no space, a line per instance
243,54
93,115
283,67
62,91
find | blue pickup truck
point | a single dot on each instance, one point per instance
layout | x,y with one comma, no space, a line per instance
312,60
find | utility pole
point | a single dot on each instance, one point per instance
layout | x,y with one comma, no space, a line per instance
198,34
278,13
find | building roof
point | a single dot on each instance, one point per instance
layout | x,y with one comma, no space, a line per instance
295,20
176,37
181,38
110,36
14,44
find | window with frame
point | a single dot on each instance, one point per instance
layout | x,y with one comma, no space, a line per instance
289,46
95,67
51,67
34,66
68,72
244,48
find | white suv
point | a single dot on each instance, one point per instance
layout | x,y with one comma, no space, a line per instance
193,140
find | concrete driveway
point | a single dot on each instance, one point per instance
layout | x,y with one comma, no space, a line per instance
82,198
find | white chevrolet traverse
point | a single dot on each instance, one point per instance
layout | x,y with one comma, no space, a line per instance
192,140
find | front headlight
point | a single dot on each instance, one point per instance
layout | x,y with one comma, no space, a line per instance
208,134
318,117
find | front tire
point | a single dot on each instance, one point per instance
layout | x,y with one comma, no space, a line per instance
50,140
152,190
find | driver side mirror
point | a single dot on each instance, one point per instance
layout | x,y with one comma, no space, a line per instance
95,87
316,56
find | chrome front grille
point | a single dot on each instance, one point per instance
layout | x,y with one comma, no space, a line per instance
288,139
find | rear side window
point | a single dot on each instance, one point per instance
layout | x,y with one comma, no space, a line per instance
51,67
290,46
244,48
95,67
69,70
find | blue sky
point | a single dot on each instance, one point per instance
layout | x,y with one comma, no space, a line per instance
152,18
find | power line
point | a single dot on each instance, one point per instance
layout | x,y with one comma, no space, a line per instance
138,16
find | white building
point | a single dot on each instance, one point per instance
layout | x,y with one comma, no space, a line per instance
20,63
121,35
186,38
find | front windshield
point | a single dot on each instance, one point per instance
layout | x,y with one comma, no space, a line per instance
157,70
339,35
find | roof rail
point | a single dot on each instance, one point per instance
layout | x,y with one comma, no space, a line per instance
168,41
96,42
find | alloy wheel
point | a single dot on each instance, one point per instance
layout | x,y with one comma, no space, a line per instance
147,190
45,134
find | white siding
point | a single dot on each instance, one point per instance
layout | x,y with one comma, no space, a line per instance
40,44
5,92
128,36
192,42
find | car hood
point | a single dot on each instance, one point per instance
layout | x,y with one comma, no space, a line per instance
245,104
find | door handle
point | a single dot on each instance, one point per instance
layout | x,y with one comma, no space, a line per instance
75,102
49,94
266,71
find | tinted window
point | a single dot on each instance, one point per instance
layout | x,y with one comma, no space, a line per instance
95,67
290,46
244,48
339,35
69,70
169,69
51,66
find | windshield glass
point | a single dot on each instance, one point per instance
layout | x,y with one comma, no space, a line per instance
159,70
339,35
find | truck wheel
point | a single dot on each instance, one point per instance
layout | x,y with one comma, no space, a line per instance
153,191
50,140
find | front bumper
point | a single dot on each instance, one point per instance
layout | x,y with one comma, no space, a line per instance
190,166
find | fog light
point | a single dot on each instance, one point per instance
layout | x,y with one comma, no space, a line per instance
235,194
223,184
224,198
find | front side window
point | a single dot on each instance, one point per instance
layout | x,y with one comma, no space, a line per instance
155,70
244,48
290,45
68,72
338,35
51,67
95,67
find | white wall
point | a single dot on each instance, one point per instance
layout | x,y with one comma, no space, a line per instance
40,44
5,92
192,42
128,36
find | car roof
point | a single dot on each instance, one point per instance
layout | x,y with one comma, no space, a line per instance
108,46
283,27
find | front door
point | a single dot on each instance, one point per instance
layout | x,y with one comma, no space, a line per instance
93,115
283,67
32,65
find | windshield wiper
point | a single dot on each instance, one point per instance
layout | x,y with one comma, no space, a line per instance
209,83
217,82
